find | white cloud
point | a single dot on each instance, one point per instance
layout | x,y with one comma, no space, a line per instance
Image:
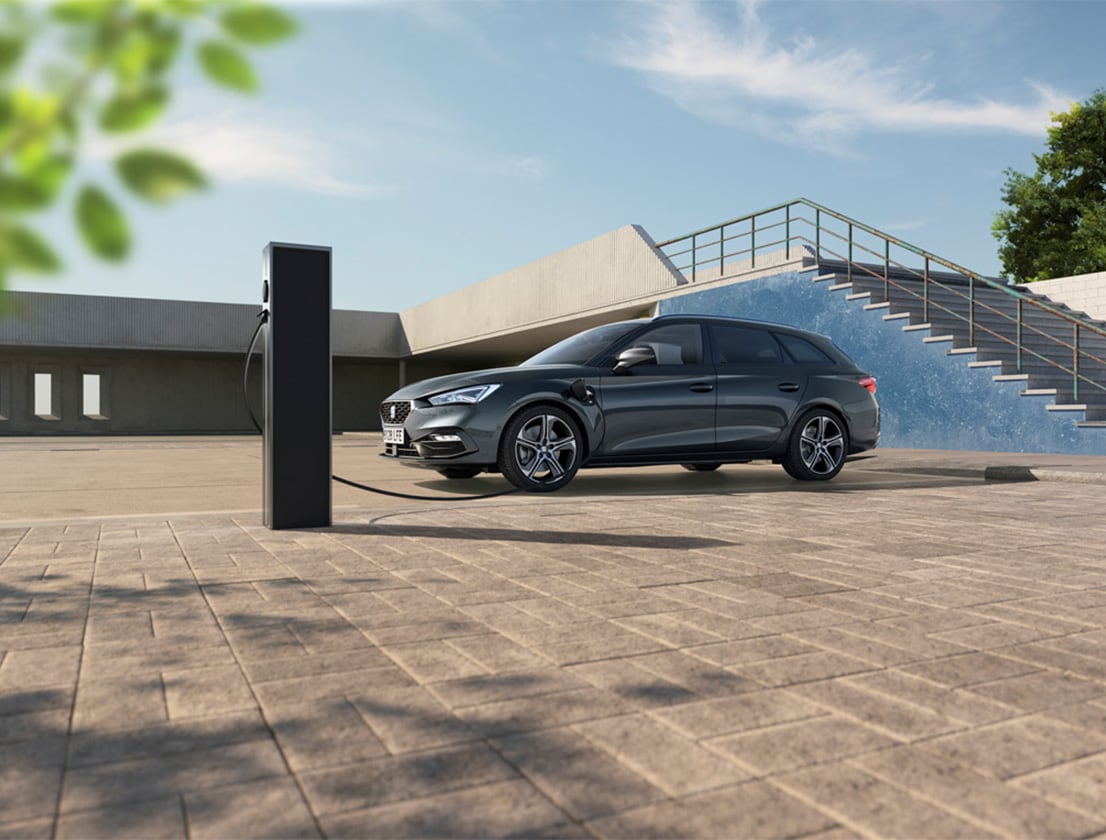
249,143
753,76
528,166
231,145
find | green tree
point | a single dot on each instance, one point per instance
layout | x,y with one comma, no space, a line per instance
1056,224
77,66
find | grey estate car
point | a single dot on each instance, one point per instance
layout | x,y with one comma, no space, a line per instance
694,390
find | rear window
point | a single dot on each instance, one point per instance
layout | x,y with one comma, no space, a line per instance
744,345
802,351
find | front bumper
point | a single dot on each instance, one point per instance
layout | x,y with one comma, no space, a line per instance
447,444
451,434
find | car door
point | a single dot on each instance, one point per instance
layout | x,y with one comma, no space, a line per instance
759,388
664,406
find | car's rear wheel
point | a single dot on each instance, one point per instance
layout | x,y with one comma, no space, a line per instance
702,467
540,449
459,472
818,445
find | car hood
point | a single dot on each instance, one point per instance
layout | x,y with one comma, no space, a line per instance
500,376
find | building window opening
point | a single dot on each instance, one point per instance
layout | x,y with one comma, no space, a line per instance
44,396
5,388
91,405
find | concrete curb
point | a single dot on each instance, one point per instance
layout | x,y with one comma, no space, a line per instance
1013,473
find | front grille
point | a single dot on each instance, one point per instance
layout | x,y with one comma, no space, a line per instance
402,409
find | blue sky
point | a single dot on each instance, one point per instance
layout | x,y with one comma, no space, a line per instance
436,144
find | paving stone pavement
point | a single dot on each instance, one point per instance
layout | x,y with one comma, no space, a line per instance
921,659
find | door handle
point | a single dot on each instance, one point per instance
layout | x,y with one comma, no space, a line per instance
788,387
702,388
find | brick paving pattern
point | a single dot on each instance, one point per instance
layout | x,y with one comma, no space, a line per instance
923,660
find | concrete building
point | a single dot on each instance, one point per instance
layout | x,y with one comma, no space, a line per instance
73,364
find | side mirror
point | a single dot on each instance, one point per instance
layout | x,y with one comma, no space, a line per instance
633,356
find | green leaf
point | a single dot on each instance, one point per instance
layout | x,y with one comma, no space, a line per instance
102,224
36,188
82,11
258,25
184,8
22,248
11,50
20,193
164,45
227,66
131,110
7,109
158,176
52,172
29,108
131,57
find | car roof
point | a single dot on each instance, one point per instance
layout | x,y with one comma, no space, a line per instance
727,319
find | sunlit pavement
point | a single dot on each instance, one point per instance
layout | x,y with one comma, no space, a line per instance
909,651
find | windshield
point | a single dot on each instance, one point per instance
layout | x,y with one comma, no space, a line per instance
577,349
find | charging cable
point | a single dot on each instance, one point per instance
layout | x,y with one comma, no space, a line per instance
263,319
349,483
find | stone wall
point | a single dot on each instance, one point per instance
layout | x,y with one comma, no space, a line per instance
1083,292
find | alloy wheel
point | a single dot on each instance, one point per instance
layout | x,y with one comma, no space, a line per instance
545,448
822,445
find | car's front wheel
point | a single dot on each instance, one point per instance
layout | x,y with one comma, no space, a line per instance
818,445
540,449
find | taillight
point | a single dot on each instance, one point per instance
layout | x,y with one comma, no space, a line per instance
868,383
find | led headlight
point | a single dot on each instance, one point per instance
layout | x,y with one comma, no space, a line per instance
472,394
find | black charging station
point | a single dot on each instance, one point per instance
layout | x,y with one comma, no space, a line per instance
296,288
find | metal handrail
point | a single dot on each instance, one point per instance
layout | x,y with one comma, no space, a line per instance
714,252
1021,349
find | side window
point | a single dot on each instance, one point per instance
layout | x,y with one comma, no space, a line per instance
674,344
744,345
802,351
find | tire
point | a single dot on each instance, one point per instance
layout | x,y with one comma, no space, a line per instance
540,449
818,446
459,472
701,467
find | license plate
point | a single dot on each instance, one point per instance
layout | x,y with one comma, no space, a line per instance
394,434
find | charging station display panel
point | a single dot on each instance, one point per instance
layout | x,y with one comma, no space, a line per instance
298,388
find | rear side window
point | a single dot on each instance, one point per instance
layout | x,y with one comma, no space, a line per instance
744,345
802,351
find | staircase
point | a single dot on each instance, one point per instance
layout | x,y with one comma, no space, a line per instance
1034,350
1044,348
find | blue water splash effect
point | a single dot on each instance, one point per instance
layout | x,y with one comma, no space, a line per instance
930,400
